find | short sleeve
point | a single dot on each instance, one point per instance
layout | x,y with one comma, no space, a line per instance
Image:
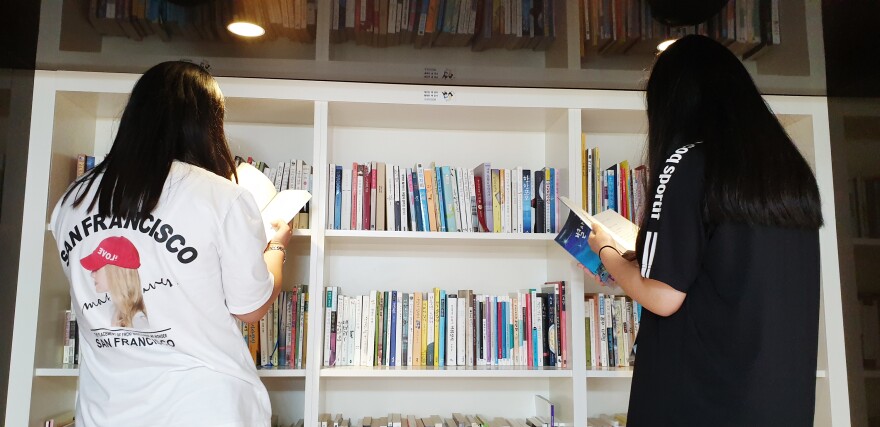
247,282
675,234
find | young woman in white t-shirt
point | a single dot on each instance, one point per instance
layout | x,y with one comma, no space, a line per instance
163,253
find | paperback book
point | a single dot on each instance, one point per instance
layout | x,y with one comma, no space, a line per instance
574,235
273,204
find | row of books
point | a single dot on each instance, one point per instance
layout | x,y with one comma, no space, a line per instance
137,19
67,419
280,337
455,420
70,343
607,420
84,163
376,196
437,328
287,175
482,24
611,326
618,187
615,26
865,206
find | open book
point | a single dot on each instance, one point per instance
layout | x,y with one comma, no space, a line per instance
574,234
273,204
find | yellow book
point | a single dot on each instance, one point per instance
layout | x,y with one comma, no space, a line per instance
437,336
432,197
424,347
496,200
417,330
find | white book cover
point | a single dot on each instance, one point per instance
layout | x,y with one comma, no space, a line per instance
404,218
273,204
420,176
358,303
389,197
461,341
371,334
264,341
429,345
517,185
279,176
461,207
346,199
364,326
456,200
297,179
451,329
537,349
331,196
341,328
285,176
510,199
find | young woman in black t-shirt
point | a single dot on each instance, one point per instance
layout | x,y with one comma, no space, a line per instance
728,253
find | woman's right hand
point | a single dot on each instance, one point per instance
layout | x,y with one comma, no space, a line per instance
282,232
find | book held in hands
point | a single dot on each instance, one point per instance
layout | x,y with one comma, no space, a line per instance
577,228
273,204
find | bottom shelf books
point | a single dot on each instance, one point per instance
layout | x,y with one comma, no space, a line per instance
454,420
606,420
440,328
280,337
611,324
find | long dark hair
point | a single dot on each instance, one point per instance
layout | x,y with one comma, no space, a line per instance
175,112
699,91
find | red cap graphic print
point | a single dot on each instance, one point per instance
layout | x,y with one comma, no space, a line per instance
114,266
116,250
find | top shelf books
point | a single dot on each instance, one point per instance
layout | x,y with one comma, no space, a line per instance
560,43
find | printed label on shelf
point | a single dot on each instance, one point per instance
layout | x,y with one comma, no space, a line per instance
439,96
435,73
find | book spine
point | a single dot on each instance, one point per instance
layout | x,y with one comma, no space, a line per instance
404,204
443,225
346,199
331,196
426,329
389,198
367,198
415,208
432,329
430,182
451,330
410,330
496,201
399,329
462,329
441,341
423,197
481,211
374,193
337,188
416,346
380,196
548,195
396,183
371,332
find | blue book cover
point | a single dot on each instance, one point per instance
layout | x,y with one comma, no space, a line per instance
438,171
527,200
337,217
449,199
417,203
392,359
441,340
612,189
423,197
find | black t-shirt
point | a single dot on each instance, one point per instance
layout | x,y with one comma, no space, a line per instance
741,350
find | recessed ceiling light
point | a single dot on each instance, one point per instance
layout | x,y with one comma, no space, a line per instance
666,43
246,29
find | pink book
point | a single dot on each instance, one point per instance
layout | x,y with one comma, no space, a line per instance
354,195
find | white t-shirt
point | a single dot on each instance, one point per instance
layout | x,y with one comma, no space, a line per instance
183,361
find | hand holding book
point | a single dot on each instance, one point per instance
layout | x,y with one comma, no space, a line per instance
583,235
274,205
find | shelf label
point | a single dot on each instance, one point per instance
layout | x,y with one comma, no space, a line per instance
432,73
438,96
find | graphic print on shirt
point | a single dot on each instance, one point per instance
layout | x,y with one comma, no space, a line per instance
114,266
663,179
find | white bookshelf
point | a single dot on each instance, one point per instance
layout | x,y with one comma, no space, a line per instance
341,123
